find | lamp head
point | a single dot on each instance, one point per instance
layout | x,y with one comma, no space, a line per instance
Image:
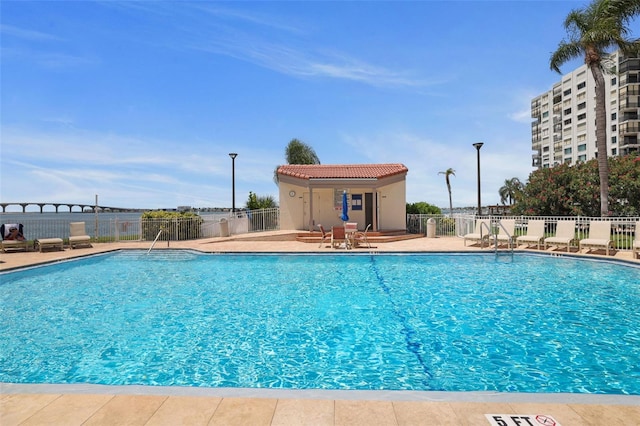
233,155
478,145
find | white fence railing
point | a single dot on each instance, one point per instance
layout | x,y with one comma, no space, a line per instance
622,228
103,228
109,228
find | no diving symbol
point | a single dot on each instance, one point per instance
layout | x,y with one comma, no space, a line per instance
545,420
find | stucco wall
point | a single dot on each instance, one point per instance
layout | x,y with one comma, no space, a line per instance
393,206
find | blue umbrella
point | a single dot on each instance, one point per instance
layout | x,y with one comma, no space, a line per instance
345,207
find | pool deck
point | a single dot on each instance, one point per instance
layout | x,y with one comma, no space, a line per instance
143,405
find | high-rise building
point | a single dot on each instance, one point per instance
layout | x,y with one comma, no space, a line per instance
564,126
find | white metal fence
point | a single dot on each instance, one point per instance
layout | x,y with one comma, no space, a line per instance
113,229
109,229
622,228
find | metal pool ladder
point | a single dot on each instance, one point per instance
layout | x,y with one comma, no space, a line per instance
154,241
495,238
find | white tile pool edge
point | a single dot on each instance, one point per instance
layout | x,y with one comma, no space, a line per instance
432,396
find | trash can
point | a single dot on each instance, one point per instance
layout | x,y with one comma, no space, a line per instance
224,227
431,228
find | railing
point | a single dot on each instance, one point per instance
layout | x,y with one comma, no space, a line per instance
110,228
622,228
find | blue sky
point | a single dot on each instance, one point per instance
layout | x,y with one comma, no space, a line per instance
141,102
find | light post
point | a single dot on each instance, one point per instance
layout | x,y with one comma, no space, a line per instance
233,156
478,145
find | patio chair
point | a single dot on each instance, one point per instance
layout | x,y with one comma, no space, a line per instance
13,237
78,235
360,238
565,235
506,229
635,245
599,236
338,237
535,234
326,236
481,232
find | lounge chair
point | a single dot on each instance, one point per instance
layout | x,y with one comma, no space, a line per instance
565,235
78,235
326,236
599,236
360,238
535,234
46,243
338,237
506,231
481,232
13,237
635,245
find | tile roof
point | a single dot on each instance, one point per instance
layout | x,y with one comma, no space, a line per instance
341,171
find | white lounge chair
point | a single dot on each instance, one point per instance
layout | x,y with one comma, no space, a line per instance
565,235
480,233
78,235
506,231
535,234
599,236
635,246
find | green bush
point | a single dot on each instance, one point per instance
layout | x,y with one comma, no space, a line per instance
175,226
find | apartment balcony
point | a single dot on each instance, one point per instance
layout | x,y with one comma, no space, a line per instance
629,128
557,138
557,99
630,64
629,103
629,141
536,160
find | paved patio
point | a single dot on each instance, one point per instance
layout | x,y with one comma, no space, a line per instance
139,405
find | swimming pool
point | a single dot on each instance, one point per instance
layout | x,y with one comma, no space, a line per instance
466,322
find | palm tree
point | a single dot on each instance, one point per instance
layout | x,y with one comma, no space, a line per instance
446,174
591,31
298,152
510,190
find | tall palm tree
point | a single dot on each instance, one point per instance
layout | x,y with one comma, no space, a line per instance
510,190
446,174
298,152
591,31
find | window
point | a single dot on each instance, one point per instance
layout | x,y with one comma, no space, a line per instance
356,202
567,151
582,148
582,158
567,92
614,139
582,105
614,115
614,81
545,114
567,111
614,127
614,151
582,116
567,121
582,85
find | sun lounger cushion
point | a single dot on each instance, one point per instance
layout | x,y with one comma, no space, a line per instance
599,236
78,235
535,233
43,243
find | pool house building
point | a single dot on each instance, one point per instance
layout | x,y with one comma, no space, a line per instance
311,194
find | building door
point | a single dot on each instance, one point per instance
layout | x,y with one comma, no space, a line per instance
368,209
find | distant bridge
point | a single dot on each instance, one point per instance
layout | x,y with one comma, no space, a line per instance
70,206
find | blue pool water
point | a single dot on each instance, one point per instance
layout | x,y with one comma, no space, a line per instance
521,323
